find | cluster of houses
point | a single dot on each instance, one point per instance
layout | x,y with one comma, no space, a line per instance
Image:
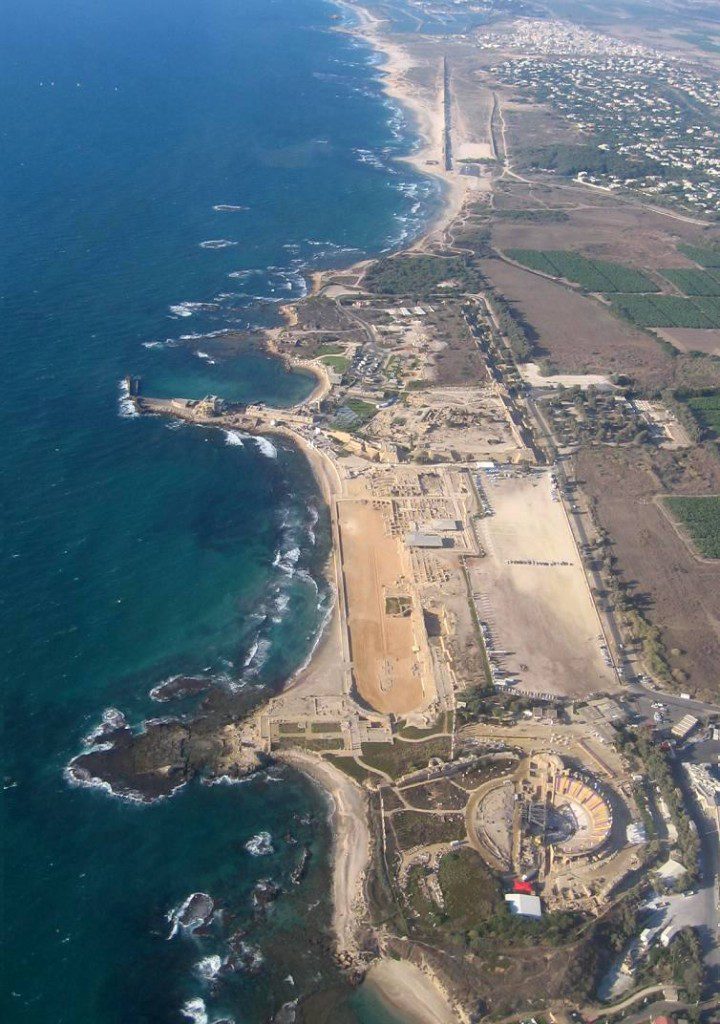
644,108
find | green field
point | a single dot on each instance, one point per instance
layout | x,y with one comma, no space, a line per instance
706,410
461,873
339,363
701,518
694,282
415,828
594,275
669,310
420,275
706,257
399,758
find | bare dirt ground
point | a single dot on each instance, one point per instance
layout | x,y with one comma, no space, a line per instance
576,333
689,339
541,614
466,423
386,649
680,593
597,227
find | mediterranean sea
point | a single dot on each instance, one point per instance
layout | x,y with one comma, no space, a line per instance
172,170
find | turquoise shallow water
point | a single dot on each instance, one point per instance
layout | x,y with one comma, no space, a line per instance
133,550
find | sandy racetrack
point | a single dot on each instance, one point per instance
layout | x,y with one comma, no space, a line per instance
386,649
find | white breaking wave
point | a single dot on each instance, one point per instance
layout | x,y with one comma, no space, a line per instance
260,845
209,967
204,355
266,447
229,208
281,605
126,406
277,279
257,656
287,560
217,243
188,308
194,1010
234,437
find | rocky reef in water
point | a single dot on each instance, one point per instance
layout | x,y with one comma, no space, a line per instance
163,754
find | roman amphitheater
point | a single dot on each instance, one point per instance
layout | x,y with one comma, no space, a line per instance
551,822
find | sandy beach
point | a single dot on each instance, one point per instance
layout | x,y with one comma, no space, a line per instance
410,993
429,118
351,840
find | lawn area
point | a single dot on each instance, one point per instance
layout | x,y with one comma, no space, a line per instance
396,759
471,891
413,828
364,410
701,519
442,724
350,766
339,363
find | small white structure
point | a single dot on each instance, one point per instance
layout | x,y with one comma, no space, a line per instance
525,906
635,833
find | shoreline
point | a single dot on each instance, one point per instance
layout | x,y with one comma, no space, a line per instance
411,993
350,855
428,124
407,991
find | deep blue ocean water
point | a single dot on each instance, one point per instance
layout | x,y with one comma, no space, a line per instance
133,550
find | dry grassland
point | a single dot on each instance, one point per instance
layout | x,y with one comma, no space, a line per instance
577,334
601,229
691,339
677,592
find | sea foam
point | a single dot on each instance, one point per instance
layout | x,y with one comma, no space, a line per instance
260,845
217,243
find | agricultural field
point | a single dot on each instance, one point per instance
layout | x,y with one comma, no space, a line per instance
694,282
705,257
669,310
706,410
701,518
593,275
